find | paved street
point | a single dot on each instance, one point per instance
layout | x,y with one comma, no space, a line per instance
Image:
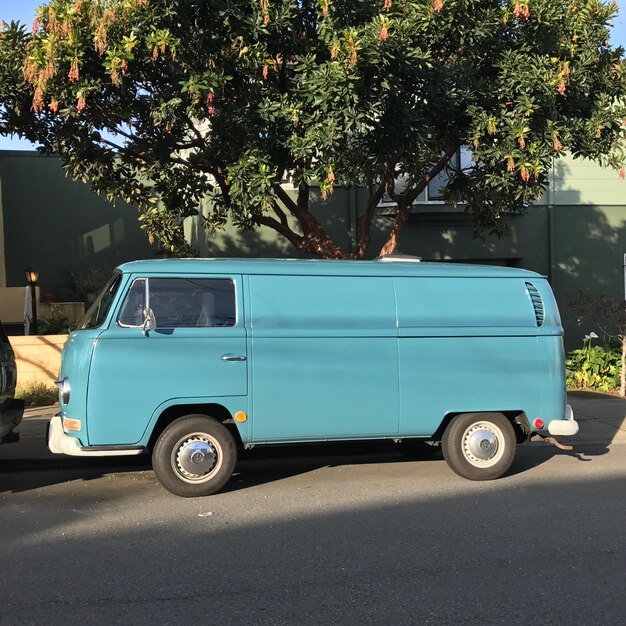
334,534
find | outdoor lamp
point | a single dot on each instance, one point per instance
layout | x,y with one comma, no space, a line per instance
32,276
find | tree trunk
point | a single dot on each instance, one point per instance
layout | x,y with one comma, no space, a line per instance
401,218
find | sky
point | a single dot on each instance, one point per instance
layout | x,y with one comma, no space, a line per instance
24,11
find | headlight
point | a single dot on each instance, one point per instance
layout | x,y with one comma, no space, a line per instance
64,388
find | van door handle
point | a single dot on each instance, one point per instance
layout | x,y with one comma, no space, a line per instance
233,357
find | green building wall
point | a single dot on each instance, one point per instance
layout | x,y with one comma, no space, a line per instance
576,233
60,226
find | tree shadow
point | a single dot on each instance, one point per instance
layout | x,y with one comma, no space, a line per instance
317,553
26,474
265,464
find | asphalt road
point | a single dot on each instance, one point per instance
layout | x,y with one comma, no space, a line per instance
331,535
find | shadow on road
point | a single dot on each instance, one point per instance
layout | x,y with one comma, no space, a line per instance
266,464
541,552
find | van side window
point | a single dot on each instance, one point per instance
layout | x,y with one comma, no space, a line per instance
182,302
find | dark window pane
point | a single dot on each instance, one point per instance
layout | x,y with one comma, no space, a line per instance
132,309
3,335
99,309
182,303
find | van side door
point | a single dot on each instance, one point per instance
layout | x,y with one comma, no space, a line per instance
196,352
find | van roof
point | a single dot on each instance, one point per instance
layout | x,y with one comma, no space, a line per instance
321,267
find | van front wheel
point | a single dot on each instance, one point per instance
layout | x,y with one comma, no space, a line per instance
479,446
194,456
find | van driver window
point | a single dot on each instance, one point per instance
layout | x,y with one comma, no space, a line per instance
182,303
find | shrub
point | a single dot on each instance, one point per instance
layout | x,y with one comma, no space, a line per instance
594,367
56,326
37,394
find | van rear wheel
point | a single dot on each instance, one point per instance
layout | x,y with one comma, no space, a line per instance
479,446
194,456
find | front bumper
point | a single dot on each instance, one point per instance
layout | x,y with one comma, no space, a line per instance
61,443
11,413
567,427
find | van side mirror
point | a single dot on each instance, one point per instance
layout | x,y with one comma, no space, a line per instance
149,321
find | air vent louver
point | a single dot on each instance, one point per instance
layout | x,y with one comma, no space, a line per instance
535,298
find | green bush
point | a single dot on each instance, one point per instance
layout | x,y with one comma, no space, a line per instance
56,326
594,367
37,394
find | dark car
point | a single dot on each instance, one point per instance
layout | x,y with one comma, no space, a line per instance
11,410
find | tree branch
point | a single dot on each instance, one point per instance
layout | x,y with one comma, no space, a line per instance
365,221
281,214
303,197
296,240
407,199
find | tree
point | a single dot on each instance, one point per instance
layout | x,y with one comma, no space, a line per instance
164,102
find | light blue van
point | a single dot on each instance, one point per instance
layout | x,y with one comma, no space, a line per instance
192,358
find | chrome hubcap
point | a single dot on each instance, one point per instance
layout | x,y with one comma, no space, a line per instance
482,444
196,457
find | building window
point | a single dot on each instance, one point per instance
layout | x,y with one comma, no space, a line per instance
461,160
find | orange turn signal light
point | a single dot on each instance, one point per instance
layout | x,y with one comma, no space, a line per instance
70,424
240,417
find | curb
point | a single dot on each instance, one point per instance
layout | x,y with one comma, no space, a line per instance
40,411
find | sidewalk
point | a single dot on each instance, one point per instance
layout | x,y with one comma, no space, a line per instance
602,417
602,420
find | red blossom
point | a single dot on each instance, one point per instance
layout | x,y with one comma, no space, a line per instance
558,146
73,74
266,70
383,35
561,88
81,103
525,174
522,142
387,5
438,5
211,111
38,103
622,173
54,105
521,10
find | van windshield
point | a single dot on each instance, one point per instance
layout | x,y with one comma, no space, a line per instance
99,309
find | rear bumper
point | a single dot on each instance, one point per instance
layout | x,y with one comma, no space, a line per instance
61,443
11,413
567,427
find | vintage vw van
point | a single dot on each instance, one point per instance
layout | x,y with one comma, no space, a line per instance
190,359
